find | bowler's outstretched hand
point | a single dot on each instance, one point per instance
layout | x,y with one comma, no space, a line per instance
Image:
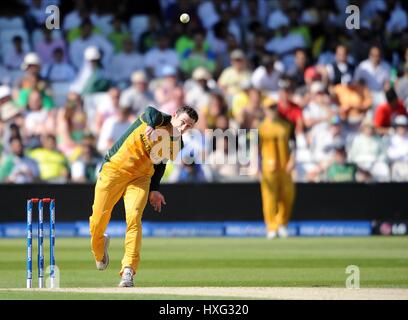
156,200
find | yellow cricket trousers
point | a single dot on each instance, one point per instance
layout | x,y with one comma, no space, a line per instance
110,187
278,193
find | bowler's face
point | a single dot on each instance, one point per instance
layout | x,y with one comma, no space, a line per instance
182,123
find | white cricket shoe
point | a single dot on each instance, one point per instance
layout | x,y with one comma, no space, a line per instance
127,278
271,235
102,265
283,232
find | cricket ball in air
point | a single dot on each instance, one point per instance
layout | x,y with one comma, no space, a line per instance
184,18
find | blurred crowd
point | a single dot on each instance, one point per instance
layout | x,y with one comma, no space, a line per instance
66,95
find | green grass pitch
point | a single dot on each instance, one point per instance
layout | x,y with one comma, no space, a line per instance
220,262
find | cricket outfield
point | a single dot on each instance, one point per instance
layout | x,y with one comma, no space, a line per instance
219,268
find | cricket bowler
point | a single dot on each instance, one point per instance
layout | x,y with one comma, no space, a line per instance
132,169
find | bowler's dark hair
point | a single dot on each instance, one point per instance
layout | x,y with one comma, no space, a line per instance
190,112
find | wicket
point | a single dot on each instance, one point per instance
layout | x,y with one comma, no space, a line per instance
30,206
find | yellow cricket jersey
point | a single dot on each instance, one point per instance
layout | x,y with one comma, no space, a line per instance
133,152
274,139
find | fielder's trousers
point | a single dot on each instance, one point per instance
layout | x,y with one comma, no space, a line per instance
110,187
278,193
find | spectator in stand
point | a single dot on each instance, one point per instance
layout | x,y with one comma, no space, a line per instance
385,112
402,85
37,13
319,109
11,119
217,106
89,39
297,71
321,138
5,75
197,88
164,86
118,34
75,33
16,167
403,60
374,71
107,109
302,94
253,13
341,70
138,95
53,165
398,144
199,55
224,161
367,148
5,94
92,77
216,37
287,108
160,56
58,70
125,63
398,18
208,14
279,16
257,49
13,56
253,113
176,100
71,123
361,41
246,106
104,14
232,78
340,170
223,59
114,127
285,43
266,77
31,66
222,122
37,120
354,100
325,53
148,39
74,18
46,47
86,167
240,101
397,150
189,172
297,26
36,84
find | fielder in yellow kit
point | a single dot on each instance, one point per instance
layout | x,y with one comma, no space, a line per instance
276,137
132,169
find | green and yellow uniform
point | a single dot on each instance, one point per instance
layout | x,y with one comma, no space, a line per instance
129,171
277,187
